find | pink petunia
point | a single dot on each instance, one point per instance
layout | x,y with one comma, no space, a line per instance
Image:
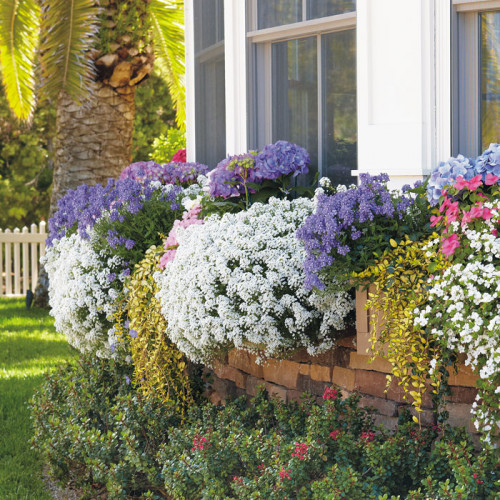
449,245
487,214
435,220
491,179
460,183
475,182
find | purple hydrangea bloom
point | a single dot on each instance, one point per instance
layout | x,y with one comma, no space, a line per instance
275,161
340,219
280,159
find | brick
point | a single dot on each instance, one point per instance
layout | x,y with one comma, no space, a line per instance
304,369
427,417
348,342
314,387
230,373
321,373
361,312
466,395
390,423
465,377
276,391
374,384
363,362
293,395
215,398
343,377
460,415
283,373
382,406
253,384
245,361
224,387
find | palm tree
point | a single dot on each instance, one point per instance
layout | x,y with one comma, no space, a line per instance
88,56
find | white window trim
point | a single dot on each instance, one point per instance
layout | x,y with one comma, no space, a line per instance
477,5
304,28
190,81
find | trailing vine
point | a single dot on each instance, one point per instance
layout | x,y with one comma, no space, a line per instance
400,280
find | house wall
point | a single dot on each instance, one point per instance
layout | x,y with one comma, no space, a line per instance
403,85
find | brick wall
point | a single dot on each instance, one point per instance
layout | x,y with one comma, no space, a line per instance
348,366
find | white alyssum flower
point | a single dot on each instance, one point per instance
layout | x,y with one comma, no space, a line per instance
81,295
238,281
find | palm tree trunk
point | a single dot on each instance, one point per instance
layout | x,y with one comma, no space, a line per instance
93,140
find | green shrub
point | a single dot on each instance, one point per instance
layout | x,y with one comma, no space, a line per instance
165,146
94,428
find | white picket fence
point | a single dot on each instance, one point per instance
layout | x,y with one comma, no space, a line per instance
20,253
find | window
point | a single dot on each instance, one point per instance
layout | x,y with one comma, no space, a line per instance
303,67
476,103
210,95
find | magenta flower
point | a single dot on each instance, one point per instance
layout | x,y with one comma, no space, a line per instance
449,245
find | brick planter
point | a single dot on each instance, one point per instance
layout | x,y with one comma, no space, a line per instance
348,366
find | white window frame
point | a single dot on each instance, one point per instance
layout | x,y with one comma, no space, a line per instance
302,29
466,90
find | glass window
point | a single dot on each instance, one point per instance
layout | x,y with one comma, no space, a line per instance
490,78
325,8
210,93
295,93
339,117
278,12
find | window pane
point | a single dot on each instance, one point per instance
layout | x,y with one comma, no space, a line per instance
324,8
209,23
339,127
490,78
295,94
278,12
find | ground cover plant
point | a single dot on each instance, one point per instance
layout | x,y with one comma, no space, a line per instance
97,431
29,346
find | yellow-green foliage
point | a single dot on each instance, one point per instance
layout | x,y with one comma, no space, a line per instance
160,368
400,278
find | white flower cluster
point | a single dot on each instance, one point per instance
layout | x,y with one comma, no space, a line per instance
81,297
238,281
463,310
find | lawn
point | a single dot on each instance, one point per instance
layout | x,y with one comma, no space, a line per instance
29,346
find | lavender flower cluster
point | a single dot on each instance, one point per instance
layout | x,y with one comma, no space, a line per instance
446,173
80,208
168,173
340,220
275,161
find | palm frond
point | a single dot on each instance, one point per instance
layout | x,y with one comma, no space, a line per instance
19,27
168,28
68,34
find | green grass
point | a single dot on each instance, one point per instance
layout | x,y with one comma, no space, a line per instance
29,346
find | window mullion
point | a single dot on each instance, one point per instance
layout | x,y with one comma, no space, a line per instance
320,104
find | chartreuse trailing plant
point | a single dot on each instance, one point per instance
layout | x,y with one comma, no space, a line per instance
160,369
400,279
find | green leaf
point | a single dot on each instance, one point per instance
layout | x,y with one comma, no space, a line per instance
168,30
68,34
19,27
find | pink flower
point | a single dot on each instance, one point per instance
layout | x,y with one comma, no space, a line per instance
491,179
435,220
300,451
284,474
368,436
180,156
494,232
475,182
199,442
330,393
487,215
460,183
335,434
449,245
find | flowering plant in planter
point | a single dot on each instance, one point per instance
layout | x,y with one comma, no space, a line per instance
237,281
350,228
257,176
463,311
